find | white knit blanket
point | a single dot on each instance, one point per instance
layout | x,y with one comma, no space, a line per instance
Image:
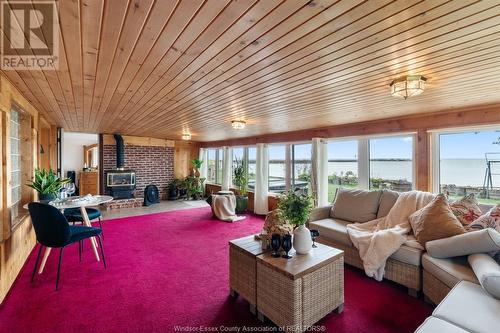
223,207
378,239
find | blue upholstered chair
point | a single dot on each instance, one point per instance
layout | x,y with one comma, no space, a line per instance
75,215
53,230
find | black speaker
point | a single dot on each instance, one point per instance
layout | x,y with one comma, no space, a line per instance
151,195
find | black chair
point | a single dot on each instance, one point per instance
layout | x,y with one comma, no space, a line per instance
75,215
53,230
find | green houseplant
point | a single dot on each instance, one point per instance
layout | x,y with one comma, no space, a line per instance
296,208
196,163
47,184
240,179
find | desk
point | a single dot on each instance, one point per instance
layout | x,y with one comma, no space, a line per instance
77,202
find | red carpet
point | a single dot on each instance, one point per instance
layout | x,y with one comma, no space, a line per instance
171,269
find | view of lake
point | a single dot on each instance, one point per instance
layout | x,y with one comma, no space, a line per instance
461,172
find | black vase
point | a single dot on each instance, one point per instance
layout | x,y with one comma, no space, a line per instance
46,197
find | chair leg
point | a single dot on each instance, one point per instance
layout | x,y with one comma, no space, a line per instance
36,262
80,250
59,268
102,251
100,226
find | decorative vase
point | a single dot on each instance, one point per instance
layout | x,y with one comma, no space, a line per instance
197,173
302,242
46,197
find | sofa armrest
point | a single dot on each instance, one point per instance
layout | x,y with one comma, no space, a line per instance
320,213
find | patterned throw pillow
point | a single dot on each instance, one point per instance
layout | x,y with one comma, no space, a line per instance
488,220
466,209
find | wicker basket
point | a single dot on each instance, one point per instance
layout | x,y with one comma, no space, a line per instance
408,275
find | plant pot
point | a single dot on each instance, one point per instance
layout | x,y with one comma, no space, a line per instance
46,197
302,241
241,204
172,194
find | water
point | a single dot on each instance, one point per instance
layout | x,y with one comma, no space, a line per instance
461,172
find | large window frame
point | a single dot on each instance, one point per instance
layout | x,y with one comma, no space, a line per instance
435,150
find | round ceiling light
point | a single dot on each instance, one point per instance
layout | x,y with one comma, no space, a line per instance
238,124
407,86
186,136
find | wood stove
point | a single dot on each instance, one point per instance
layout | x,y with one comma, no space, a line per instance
120,183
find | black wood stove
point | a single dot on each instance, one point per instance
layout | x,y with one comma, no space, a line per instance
120,183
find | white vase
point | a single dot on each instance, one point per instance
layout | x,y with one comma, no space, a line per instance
302,241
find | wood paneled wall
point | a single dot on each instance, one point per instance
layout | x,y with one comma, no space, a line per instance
185,151
16,244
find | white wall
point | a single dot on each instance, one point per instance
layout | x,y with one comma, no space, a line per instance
72,150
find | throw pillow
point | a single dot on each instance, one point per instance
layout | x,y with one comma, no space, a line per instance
488,220
355,205
487,272
435,221
466,209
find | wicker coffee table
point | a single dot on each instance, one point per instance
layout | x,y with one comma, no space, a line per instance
298,292
242,268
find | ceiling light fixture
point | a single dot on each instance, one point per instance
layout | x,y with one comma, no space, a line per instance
186,136
407,86
238,124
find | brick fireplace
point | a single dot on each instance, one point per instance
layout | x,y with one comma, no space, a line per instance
152,164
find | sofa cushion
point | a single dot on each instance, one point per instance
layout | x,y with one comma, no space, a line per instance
409,255
480,241
467,209
387,200
435,221
333,229
436,325
487,272
355,205
449,271
468,306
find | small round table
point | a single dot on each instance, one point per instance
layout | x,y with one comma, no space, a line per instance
77,202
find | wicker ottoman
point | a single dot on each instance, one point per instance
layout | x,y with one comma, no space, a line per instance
242,268
296,293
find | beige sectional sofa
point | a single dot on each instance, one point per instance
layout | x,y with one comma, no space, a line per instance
466,308
403,267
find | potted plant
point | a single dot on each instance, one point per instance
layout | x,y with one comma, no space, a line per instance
196,163
173,189
241,181
296,208
47,184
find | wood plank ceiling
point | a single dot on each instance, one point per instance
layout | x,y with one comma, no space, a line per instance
159,68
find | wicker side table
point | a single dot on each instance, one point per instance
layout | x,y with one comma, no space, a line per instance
242,268
297,293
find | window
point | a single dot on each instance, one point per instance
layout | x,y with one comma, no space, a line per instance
220,165
252,164
15,164
211,165
391,163
469,162
20,161
238,156
277,169
301,171
342,165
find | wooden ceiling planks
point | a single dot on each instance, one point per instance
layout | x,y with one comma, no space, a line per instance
158,68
